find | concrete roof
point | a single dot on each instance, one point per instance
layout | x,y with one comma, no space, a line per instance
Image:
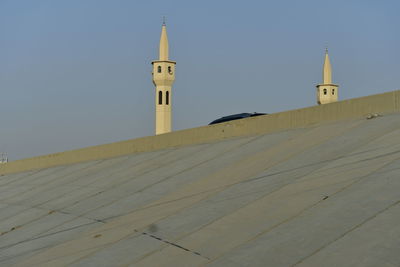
325,194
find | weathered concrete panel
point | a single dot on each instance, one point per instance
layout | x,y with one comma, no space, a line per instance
323,194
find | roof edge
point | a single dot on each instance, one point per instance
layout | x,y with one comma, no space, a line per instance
347,109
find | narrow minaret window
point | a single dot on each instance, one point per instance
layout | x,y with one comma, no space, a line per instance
163,79
159,97
323,97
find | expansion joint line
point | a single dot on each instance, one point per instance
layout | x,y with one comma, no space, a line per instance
356,226
174,244
349,231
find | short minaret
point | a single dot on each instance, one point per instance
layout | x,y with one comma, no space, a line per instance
163,78
327,92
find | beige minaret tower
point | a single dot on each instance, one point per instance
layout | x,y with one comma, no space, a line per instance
327,92
163,78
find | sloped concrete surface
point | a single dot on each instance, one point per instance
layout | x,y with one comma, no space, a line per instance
323,195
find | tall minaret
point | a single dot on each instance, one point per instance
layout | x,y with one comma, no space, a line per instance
327,92
163,78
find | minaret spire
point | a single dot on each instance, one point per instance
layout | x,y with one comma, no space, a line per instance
327,72
163,43
327,92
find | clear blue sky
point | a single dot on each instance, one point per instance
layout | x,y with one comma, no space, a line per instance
77,73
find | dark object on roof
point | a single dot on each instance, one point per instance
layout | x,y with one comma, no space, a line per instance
236,117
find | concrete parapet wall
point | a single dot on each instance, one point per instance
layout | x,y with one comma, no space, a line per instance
347,109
